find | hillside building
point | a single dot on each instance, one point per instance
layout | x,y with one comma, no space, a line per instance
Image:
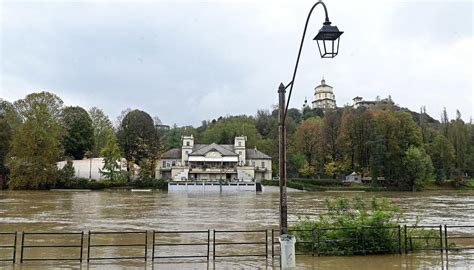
324,97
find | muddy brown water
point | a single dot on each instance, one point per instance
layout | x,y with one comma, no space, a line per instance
68,211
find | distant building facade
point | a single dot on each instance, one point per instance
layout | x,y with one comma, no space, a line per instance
214,162
324,97
359,102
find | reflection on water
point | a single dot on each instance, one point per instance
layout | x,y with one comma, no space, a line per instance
124,211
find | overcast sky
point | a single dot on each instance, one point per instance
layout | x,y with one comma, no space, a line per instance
188,61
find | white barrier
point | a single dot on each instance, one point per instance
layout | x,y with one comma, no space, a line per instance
210,187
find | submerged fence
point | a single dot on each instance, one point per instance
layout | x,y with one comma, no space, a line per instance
200,244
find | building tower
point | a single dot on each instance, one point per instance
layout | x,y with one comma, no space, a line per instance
239,147
324,97
187,148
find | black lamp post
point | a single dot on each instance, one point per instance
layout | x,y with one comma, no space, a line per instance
328,45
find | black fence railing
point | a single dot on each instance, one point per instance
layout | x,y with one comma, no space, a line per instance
30,240
423,237
8,244
248,244
106,238
177,243
65,246
456,241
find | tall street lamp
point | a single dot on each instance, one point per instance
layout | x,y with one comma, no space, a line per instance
328,46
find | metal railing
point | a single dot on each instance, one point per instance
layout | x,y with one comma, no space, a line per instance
144,244
169,244
247,243
51,246
456,245
9,245
172,244
423,237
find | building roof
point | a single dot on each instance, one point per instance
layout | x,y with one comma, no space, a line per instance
255,154
323,84
174,153
213,147
224,149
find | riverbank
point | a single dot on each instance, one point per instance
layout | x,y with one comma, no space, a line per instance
333,185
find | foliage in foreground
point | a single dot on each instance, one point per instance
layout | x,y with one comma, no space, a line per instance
352,226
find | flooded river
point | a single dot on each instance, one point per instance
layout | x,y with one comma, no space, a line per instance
68,211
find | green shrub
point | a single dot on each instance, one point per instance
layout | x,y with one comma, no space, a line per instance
351,226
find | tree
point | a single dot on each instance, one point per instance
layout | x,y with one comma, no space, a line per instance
308,140
443,156
35,147
332,122
79,136
418,168
111,169
101,126
33,102
459,137
138,137
5,138
224,130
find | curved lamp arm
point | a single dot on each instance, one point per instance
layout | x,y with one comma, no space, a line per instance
299,53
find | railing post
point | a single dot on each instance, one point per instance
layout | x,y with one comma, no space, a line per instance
273,243
153,247
406,242
319,243
146,244
14,247
266,243
208,243
312,240
22,244
88,246
411,244
441,239
446,239
399,239
214,245
82,245
362,240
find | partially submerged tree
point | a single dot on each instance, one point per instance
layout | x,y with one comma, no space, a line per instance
36,145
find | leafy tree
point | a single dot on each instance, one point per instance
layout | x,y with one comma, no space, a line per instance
331,125
101,126
33,102
443,156
112,158
66,174
5,137
459,137
35,147
10,114
224,130
307,140
79,136
308,170
418,168
138,137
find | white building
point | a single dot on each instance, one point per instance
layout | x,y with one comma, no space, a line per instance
90,167
359,102
324,97
214,162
